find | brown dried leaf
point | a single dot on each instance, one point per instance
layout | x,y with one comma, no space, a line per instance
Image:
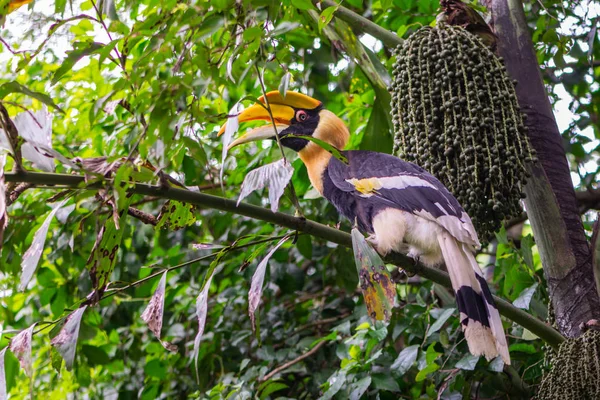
153,314
256,285
201,311
20,346
3,395
66,340
33,254
3,213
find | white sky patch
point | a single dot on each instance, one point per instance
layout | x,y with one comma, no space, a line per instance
339,67
371,43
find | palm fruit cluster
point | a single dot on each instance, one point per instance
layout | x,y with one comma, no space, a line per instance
575,371
455,113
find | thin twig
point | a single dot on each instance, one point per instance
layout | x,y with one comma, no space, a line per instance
294,361
293,196
145,217
16,192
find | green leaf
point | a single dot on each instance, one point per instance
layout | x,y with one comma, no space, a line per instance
302,4
95,355
359,388
331,149
378,132
375,280
429,369
176,215
436,326
405,359
525,297
336,381
304,245
15,87
468,362
325,17
431,354
523,347
270,388
385,382
81,50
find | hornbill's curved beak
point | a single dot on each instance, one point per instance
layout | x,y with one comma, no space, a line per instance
283,110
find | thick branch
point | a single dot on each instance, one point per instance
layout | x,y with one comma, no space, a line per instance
545,332
388,38
551,202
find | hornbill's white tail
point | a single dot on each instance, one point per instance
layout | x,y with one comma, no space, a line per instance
479,316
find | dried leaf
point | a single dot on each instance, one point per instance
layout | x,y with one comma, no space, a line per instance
284,84
256,285
201,311
36,128
153,314
66,340
525,297
20,346
3,395
275,176
34,252
176,215
3,213
375,280
206,246
15,87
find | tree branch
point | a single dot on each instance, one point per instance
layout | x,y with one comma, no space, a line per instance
59,181
551,201
388,38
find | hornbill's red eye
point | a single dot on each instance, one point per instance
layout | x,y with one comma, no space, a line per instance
301,116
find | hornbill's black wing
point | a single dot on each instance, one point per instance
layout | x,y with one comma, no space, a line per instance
381,181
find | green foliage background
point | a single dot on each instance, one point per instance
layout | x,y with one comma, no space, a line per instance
158,78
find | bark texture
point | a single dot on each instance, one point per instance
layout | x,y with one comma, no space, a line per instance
551,202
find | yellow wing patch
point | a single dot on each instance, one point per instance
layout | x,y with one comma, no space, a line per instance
366,186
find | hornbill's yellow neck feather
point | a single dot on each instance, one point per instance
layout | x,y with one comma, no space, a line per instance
331,130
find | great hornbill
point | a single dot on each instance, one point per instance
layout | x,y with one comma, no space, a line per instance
401,205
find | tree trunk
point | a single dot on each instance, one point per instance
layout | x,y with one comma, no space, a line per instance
551,203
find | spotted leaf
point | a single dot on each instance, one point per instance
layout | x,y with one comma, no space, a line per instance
256,286
66,340
20,346
104,253
153,314
176,215
375,280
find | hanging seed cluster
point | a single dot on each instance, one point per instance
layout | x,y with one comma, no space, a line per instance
576,370
456,114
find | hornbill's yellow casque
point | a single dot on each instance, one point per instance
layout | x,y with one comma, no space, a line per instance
402,206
